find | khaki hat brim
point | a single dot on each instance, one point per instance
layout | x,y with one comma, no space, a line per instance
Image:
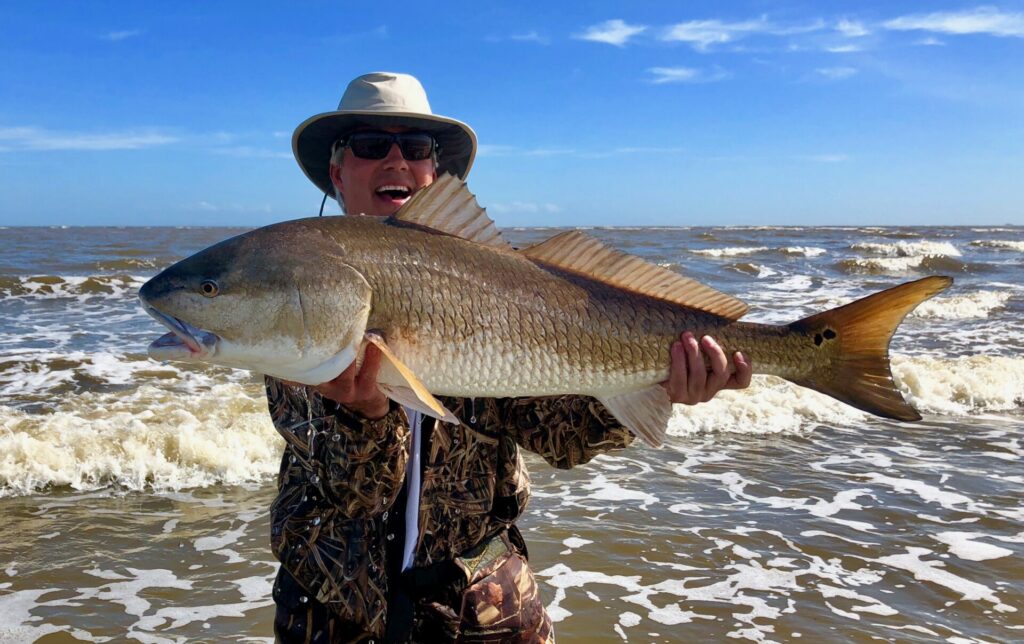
312,140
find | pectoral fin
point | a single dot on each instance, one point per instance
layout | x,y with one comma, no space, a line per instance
408,391
645,412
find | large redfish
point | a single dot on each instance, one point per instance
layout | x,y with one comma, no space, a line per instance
458,312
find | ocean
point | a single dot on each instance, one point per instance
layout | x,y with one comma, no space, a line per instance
134,495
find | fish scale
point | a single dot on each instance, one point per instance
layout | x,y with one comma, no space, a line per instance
473,317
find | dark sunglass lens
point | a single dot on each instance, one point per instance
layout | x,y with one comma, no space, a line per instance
416,147
369,145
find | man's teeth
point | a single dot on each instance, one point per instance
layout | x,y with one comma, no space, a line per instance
393,191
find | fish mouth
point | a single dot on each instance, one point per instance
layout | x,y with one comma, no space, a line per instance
184,342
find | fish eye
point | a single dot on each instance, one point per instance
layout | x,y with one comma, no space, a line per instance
209,288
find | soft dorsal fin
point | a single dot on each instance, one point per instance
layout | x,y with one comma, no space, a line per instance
579,253
449,207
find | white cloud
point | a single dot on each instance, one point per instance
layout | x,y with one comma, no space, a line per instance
929,42
702,34
38,139
663,75
852,28
842,49
114,36
835,73
613,32
981,20
524,206
531,36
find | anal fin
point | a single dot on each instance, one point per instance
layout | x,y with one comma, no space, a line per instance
645,412
409,391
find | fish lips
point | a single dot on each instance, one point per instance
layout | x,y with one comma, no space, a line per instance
184,342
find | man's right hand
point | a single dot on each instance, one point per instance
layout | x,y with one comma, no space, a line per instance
356,387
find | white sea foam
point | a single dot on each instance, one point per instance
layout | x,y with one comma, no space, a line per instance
1002,244
952,386
978,304
74,286
889,264
150,438
961,385
933,572
909,249
804,251
966,546
730,252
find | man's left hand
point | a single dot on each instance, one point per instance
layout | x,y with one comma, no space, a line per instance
701,370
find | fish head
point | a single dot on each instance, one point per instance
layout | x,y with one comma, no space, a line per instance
278,300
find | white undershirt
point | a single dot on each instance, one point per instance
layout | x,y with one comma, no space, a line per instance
412,480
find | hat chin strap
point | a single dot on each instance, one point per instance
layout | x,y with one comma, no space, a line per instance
322,205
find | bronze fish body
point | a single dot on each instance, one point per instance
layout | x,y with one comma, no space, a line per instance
458,312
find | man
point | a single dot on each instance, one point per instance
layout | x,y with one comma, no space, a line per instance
390,526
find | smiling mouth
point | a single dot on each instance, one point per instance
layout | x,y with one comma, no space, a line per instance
197,342
393,192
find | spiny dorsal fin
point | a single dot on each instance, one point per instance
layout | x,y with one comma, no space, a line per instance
577,252
449,207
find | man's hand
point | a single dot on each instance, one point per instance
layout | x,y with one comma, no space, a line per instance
689,379
357,388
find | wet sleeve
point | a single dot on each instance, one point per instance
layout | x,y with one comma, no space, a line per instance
565,430
358,465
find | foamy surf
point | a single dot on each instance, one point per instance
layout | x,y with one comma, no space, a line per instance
775,514
151,439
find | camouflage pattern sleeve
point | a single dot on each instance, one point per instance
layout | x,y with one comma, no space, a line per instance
565,430
358,465
339,476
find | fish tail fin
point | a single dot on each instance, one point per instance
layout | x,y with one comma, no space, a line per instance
860,374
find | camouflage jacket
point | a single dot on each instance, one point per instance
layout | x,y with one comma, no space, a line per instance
341,474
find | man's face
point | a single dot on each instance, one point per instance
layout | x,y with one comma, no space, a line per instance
379,187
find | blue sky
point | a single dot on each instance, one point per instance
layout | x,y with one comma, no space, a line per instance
588,113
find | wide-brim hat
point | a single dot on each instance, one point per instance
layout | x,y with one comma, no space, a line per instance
381,100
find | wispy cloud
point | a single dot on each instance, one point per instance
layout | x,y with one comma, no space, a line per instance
661,75
929,42
981,20
613,32
835,73
852,28
703,34
531,36
524,206
842,49
38,139
114,36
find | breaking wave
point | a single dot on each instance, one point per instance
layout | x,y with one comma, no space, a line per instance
946,386
730,252
149,439
909,249
70,286
886,265
999,244
961,307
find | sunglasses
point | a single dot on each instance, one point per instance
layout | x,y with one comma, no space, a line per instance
415,146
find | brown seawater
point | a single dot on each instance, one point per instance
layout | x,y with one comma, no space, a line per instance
135,495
